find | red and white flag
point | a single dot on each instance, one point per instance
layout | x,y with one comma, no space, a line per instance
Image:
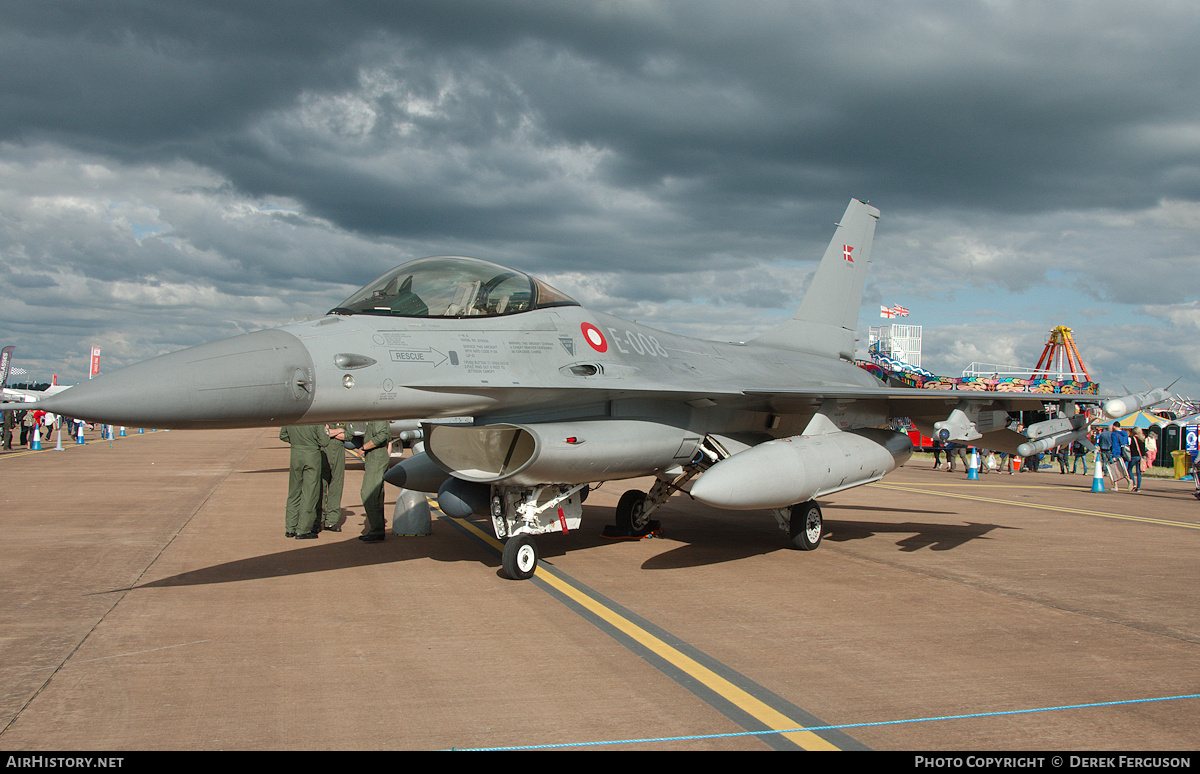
846,250
886,311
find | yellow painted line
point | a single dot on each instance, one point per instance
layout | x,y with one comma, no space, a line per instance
1037,506
772,719
26,453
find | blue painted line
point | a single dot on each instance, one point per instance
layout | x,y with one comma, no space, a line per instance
839,727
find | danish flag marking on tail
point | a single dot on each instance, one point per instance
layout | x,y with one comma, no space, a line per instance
846,250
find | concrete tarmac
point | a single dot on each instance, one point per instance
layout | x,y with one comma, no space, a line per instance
150,601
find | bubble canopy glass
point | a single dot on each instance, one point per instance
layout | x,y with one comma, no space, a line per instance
452,286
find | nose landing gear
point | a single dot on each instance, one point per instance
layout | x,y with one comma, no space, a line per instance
520,557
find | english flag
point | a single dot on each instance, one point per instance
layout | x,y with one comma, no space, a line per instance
886,311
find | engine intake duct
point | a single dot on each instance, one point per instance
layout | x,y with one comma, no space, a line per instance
559,452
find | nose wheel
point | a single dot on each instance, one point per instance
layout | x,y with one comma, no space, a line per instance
520,557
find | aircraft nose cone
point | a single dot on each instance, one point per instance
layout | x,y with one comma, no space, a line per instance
261,378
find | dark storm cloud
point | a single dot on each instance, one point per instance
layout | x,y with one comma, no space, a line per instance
130,71
711,107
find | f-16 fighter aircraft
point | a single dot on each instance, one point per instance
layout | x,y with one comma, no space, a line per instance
562,397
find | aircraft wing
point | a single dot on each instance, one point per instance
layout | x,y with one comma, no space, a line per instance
8,395
14,395
909,401
977,418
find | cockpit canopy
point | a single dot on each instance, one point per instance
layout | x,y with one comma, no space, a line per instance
450,286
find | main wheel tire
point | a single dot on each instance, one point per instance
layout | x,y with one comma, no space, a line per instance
807,526
520,557
631,511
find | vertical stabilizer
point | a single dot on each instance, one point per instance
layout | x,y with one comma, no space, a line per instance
827,320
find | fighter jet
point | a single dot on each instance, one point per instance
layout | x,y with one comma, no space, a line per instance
560,397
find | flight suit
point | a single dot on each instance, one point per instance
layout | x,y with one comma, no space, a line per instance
375,463
333,475
304,476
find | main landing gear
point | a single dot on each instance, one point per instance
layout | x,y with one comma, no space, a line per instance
633,520
806,525
520,513
635,507
803,523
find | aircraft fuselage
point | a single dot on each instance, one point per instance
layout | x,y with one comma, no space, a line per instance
565,361
542,362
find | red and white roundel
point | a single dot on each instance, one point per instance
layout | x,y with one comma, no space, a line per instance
594,337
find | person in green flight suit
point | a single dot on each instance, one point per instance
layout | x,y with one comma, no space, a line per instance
333,475
304,478
375,464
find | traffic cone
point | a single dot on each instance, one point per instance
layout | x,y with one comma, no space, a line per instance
973,466
1098,477
122,431
36,441
79,438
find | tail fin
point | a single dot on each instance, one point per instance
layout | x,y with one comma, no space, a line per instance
827,320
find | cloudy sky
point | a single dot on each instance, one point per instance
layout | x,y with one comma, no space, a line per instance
175,172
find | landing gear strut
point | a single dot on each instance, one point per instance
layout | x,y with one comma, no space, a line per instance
635,507
633,520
